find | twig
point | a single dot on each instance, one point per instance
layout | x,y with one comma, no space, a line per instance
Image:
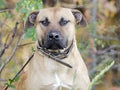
2,80
93,31
112,52
11,40
12,54
99,52
3,10
26,44
56,59
20,70
94,11
105,37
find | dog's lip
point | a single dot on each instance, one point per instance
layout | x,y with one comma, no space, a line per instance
51,50
54,51
54,45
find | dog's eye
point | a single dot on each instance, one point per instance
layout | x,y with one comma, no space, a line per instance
63,22
45,22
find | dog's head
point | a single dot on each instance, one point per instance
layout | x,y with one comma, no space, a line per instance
55,27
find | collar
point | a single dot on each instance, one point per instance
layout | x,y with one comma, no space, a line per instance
57,55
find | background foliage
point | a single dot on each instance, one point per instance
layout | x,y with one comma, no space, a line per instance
99,43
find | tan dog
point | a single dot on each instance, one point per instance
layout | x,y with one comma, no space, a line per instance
55,28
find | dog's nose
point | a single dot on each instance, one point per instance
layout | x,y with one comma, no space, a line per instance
54,35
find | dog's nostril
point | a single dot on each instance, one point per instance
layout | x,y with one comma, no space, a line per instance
50,36
56,36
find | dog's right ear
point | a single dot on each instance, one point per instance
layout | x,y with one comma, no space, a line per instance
31,19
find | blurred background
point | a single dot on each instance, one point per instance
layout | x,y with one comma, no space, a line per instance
99,42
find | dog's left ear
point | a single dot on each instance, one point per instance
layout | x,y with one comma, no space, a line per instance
31,19
80,19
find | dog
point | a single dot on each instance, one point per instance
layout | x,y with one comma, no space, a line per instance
57,63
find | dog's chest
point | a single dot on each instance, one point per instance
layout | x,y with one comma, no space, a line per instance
46,74
49,74
60,75
59,83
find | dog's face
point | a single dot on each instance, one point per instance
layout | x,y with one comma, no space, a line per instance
55,27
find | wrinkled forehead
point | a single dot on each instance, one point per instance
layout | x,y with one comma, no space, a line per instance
55,14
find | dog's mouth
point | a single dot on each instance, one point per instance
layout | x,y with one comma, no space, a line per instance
57,50
54,45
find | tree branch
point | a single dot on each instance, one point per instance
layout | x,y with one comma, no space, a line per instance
100,52
6,45
12,54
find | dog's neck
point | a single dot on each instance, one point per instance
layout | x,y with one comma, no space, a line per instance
57,55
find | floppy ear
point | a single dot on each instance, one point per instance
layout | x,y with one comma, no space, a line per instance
31,19
80,19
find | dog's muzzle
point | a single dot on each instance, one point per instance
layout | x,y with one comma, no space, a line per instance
55,47
54,40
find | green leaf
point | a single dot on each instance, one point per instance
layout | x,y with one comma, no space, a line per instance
23,10
16,79
34,37
6,84
33,49
13,87
10,81
30,33
2,4
8,15
101,73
